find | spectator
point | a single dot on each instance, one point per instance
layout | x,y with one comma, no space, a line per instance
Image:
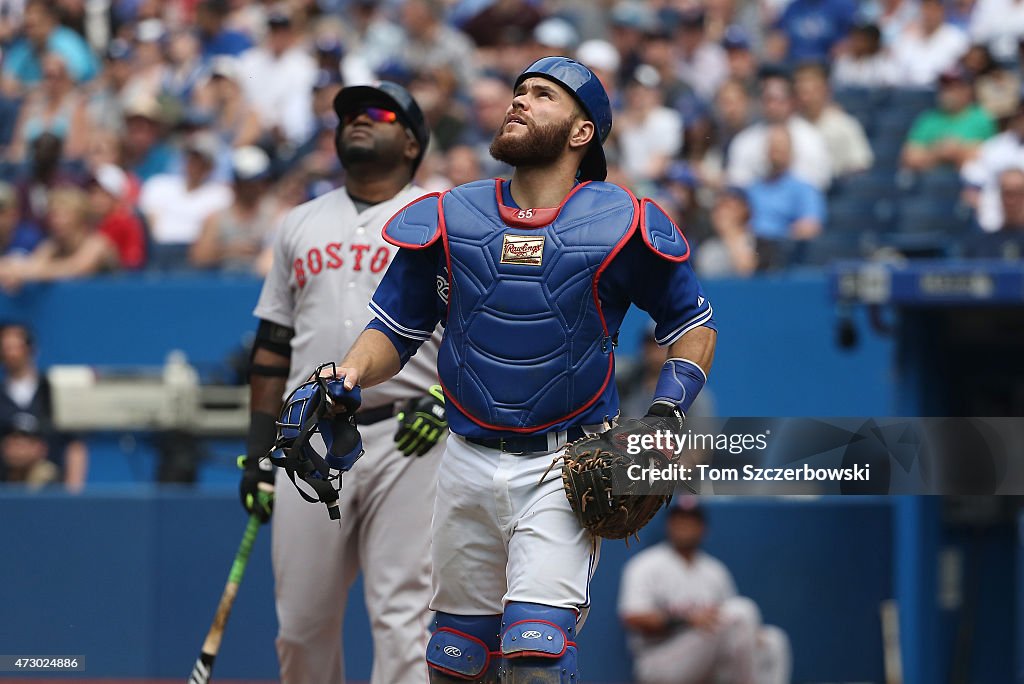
215,38
928,48
650,134
848,148
17,237
43,34
72,250
25,454
184,66
999,24
374,41
864,64
175,206
659,51
233,238
981,174
146,153
748,161
810,30
605,61
1007,241
679,187
115,220
105,95
951,134
732,114
998,89
732,250
149,68
433,45
47,172
687,623
783,207
629,23
277,78
462,165
740,58
55,106
235,120
892,17
26,405
503,23
702,64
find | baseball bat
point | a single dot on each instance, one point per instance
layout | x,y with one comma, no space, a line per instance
203,667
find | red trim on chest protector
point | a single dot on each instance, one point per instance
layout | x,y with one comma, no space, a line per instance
536,218
449,396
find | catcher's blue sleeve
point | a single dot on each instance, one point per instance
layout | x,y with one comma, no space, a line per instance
668,291
411,298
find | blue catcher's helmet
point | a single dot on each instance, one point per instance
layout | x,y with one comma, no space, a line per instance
592,97
304,416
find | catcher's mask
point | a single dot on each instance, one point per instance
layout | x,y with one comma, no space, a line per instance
314,446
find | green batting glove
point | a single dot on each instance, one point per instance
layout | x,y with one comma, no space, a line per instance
256,488
422,423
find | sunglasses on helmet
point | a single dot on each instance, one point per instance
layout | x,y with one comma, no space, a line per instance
377,114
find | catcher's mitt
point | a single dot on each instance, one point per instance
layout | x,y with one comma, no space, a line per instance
596,476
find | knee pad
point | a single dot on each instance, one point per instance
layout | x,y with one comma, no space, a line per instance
464,648
538,645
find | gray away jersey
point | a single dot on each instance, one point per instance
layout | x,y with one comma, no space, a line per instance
328,259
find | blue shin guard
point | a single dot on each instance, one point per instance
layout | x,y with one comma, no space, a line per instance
464,648
538,645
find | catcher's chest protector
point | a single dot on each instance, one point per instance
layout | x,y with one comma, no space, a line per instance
526,345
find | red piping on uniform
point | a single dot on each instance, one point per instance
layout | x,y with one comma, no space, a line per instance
409,245
643,232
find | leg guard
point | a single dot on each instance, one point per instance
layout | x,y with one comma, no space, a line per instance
464,648
538,645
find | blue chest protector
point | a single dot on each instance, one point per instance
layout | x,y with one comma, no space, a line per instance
526,346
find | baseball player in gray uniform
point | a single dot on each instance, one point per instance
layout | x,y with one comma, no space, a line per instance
328,258
687,622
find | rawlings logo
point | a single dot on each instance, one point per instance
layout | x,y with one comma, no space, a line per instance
532,634
523,249
452,651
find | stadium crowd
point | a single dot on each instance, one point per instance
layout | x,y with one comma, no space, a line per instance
175,134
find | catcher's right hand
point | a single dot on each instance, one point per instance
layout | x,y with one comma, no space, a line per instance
422,423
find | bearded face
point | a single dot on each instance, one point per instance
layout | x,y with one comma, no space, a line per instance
537,145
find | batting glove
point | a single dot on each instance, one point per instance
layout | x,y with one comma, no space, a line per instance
422,423
256,471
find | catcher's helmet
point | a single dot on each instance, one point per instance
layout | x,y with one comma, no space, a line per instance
390,96
588,91
303,417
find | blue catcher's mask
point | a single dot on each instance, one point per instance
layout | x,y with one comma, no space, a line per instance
303,417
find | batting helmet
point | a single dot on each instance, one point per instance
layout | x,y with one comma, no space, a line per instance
590,94
389,96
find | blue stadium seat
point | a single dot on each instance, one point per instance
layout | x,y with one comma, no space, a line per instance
912,99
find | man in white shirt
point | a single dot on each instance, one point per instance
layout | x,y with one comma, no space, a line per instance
176,205
748,159
928,47
686,622
848,147
278,79
650,134
999,24
981,175
703,64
